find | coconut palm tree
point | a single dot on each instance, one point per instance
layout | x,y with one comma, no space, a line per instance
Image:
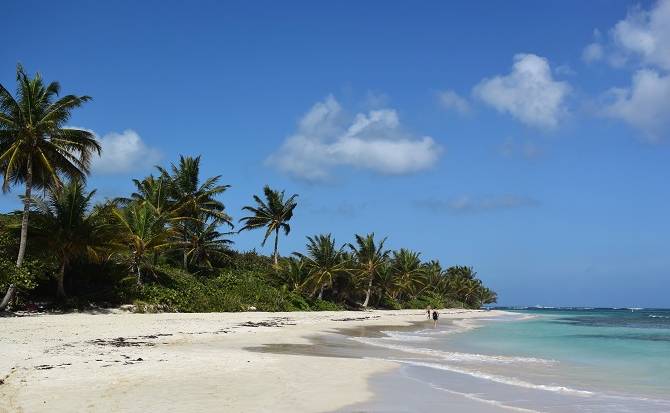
143,231
323,262
369,259
408,271
193,201
154,190
487,296
293,274
205,244
36,149
273,213
386,283
66,225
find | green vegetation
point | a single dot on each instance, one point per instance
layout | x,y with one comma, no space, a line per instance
167,246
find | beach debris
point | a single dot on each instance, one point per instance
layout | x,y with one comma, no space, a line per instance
275,322
354,318
121,342
49,366
260,324
154,336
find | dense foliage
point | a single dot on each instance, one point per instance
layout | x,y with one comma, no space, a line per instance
167,246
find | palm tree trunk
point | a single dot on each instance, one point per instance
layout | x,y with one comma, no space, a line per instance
185,259
26,213
276,250
138,272
320,297
367,293
60,292
24,231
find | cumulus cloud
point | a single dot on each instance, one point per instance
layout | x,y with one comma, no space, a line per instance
646,34
564,70
644,105
468,204
593,52
124,152
529,93
451,100
326,138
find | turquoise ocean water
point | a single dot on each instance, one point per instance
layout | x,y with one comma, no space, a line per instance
545,360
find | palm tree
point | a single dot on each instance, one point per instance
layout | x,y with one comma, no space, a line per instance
205,244
386,283
369,258
143,231
154,190
66,226
36,149
293,274
274,214
408,272
434,276
461,271
471,292
195,202
487,296
323,262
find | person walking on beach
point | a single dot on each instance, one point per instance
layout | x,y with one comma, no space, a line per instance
436,315
428,312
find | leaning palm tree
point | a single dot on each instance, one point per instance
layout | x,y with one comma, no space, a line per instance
369,258
323,262
36,149
273,213
66,225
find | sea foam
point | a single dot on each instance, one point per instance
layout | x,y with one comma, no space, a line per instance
452,355
511,381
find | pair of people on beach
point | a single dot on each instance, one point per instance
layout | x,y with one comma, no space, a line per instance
435,315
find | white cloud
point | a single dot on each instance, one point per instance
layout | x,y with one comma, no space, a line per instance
593,52
564,70
646,34
468,204
529,92
124,152
326,139
451,100
644,105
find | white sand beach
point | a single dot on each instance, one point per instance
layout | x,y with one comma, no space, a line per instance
120,361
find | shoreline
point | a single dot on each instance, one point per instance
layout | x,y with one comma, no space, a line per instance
187,362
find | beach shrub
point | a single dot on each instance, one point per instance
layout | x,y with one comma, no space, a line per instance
21,277
390,303
323,305
229,291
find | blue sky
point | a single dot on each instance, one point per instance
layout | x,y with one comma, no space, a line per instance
527,139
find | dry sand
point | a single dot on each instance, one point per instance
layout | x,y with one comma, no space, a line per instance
123,362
